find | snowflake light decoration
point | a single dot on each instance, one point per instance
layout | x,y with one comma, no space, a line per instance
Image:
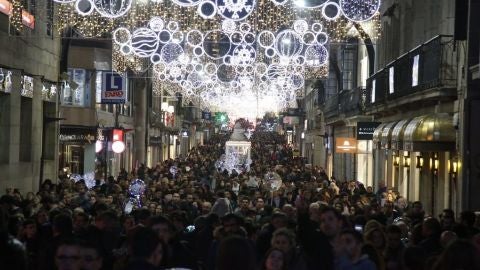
235,9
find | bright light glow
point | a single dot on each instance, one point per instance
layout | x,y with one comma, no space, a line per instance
299,3
98,146
118,147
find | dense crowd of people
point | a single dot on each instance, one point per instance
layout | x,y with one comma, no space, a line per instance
282,214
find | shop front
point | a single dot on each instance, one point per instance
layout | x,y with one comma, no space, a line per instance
418,158
77,149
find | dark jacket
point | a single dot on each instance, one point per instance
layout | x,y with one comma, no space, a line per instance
314,244
139,264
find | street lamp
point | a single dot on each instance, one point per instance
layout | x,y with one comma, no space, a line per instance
406,160
420,162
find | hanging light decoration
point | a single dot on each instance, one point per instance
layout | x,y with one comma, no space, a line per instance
219,54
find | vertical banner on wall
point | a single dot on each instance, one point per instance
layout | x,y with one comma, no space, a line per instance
114,89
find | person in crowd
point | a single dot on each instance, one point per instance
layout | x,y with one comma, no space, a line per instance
274,260
196,212
146,250
460,254
68,255
228,258
351,256
92,256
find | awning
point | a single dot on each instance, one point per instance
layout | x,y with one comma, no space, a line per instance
433,132
376,136
397,134
386,138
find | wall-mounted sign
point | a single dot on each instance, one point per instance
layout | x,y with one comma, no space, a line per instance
155,140
365,130
113,88
345,145
78,134
206,115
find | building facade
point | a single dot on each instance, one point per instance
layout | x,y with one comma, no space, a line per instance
29,62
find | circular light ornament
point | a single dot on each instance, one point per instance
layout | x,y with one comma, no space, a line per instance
266,39
194,37
331,11
112,8
126,49
300,26
172,26
236,10
118,147
279,2
317,27
243,55
270,52
288,44
64,1
310,3
177,37
195,80
144,42
316,55
121,36
229,26
186,3
164,36
359,10
211,39
207,9
170,52
249,38
309,38
321,38
84,7
226,73
156,24
156,58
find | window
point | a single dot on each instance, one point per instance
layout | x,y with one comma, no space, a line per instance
372,98
391,80
331,85
349,55
416,60
76,91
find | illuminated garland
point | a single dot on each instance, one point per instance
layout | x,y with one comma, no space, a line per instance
16,16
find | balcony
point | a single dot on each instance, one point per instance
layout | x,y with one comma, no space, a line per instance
346,104
426,73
